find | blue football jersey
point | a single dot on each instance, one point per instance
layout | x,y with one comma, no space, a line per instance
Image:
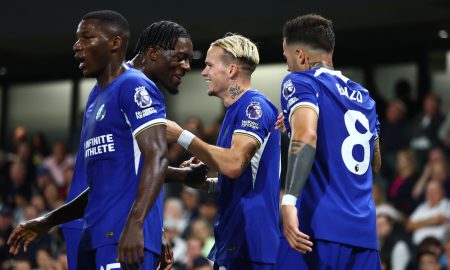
247,223
125,107
336,203
79,178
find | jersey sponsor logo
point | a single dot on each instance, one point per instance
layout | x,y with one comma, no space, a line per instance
145,112
250,124
99,145
254,110
353,95
291,101
101,112
142,97
288,89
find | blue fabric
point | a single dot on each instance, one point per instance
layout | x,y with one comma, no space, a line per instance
72,237
328,255
336,203
128,105
247,223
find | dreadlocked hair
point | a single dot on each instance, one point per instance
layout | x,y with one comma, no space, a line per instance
163,34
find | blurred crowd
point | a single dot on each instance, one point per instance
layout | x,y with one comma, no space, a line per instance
411,193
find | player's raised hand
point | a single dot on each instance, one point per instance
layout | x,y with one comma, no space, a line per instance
173,131
297,240
280,123
166,260
27,232
130,252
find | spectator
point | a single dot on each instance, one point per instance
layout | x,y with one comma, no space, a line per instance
400,191
177,244
39,148
57,162
201,263
201,229
18,184
173,209
19,136
44,259
403,93
394,135
424,129
430,218
393,250
436,169
22,263
194,250
428,260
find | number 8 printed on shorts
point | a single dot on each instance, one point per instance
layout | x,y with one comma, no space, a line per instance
356,138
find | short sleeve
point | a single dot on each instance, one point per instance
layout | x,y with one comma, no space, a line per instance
142,103
299,90
254,119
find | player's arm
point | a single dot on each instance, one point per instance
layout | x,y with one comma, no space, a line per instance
153,146
27,232
302,150
376,159
228,161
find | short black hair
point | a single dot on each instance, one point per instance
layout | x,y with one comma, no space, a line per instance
111,18
162,34
311,29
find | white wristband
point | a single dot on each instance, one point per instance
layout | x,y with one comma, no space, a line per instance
288,200
185,139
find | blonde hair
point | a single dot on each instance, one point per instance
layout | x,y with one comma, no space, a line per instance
241,49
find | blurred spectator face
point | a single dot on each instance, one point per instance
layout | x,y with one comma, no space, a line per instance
436,155
22,265
173,208
201,229
20,135
30,212
439,171
189,196
170,228
434,193
208,211
429,262
37,201
43,179
68,174
6,220
194,247
431,105
44,260
405,161
384,226
51,194
59,152
17,173
24,151
395,112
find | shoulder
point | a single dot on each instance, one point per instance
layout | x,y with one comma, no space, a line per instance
258,105
136,80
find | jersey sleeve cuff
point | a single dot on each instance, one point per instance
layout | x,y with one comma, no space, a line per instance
248,133
149,124
303,105
289,200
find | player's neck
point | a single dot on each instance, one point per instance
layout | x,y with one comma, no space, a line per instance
110,73
235,92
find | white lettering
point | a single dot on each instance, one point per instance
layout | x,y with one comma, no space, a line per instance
355,94
99,145
146,112
250,124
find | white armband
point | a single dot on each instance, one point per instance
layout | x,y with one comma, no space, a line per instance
185,139
289,200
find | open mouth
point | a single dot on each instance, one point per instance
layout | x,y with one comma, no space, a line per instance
81,60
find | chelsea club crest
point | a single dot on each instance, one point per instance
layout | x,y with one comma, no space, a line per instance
253,110
142,98
101,112
288,89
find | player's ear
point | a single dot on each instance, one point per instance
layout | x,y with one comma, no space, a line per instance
153,54
116,43
301,56
233,71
